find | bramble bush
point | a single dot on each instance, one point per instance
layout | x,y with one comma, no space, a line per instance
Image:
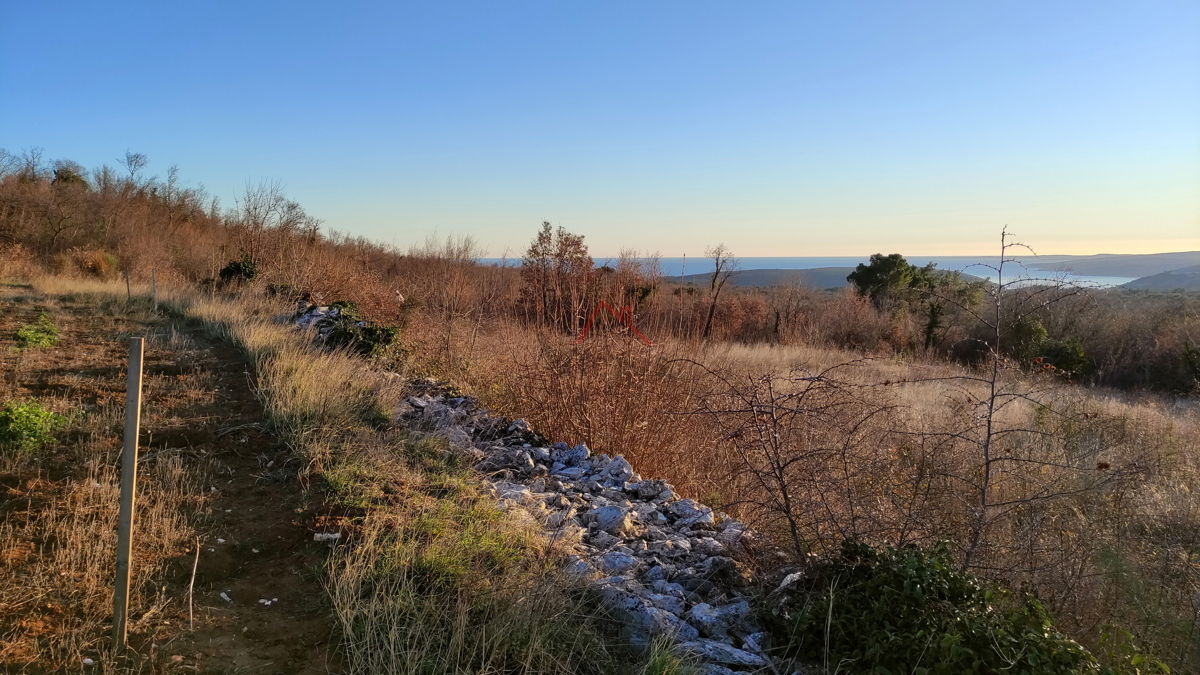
352,332
907,610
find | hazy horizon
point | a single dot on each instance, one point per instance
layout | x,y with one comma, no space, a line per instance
774,128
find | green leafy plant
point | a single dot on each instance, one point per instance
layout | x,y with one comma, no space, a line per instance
25,426
40,333
907,610
367,338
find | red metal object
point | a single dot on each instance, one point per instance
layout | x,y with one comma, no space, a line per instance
623,315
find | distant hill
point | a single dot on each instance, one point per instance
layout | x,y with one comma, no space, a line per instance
1187,278
818,277
1116,264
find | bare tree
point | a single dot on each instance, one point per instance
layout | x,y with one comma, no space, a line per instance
724,265
133,162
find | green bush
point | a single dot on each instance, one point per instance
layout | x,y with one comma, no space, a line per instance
25,426
1066,355
906,610
41,333
363,337
244,269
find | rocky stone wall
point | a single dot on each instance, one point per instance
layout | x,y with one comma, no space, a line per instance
658,561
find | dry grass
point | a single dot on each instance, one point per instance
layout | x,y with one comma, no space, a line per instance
445,582
57,527
436,578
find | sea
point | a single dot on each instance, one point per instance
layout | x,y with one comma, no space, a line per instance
976,266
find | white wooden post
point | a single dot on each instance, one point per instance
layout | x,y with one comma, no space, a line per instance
133,418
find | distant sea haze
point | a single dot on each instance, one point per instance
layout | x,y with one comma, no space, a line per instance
674,267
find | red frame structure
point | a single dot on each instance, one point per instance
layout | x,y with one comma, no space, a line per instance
623,315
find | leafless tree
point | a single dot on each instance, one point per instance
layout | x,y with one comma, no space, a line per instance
724,265
133,162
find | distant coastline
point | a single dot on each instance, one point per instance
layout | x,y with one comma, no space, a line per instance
830,271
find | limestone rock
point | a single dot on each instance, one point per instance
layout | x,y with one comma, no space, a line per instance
615,562
615,520
719,652
689,512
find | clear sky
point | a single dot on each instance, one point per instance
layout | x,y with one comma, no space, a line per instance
778,128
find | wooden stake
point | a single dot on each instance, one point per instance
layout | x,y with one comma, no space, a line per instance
133,418
153,290
192,586
128,292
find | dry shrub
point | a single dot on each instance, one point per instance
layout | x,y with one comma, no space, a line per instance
810,461
16,262
86,262
618,396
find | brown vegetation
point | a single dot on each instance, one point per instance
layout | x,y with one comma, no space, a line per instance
816,416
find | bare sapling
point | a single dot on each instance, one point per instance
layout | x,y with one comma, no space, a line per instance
1004,460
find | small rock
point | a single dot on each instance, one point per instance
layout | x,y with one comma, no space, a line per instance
89,663
557,519
602,540
670,603
575,456
647,622
706,617
614,520
618,470
657,573
569,472
667,588
756,643
719,652
689,512
615,562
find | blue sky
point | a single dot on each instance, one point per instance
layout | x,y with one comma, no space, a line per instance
777,128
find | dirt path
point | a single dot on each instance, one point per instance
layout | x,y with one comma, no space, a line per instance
253,516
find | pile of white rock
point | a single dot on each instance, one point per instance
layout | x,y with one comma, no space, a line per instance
659,562
321,318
